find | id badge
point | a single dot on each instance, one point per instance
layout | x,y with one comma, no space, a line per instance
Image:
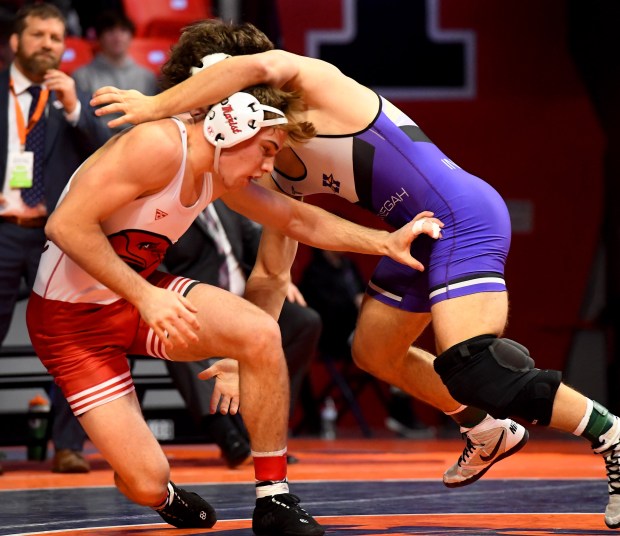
20,165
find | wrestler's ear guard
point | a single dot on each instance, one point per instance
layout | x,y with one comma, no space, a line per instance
236,119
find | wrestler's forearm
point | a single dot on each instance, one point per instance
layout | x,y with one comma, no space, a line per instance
87,246
306,223
269,281
321,229
212,85
262,292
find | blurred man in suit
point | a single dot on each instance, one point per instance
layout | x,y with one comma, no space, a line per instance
46,130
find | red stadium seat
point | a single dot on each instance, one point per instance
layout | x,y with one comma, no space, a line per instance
151,52
165,18
78,52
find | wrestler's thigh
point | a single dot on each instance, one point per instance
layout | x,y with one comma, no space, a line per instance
123,438
458,319
229,324
382,329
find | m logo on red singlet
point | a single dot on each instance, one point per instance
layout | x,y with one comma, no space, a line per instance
159,214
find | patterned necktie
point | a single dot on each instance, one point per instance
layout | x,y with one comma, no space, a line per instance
214,231
35,142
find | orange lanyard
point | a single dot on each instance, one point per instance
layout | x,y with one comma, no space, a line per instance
22,129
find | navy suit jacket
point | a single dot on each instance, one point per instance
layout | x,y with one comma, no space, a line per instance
66,146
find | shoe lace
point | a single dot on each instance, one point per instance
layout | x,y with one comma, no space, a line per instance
292,501
468,450
180,499
612,463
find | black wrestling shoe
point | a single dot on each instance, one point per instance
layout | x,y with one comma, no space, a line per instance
188,510
235,449
281,515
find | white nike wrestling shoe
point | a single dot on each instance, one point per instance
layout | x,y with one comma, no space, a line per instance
487,443
609,448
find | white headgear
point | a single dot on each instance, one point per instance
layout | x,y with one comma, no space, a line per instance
235,119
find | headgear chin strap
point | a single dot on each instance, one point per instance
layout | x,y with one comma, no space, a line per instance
236,119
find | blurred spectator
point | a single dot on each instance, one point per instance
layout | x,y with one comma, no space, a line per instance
66,7
334,287
220,249
68,436
113,66
62,132
89,10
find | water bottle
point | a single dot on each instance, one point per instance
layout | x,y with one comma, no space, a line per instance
38,419
329,414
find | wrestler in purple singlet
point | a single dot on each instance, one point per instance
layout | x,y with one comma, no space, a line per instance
392,169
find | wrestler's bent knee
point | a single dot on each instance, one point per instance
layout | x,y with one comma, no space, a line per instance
499,376
263,343
145,489
362,358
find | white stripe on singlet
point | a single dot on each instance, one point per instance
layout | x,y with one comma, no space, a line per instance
384,292
469,283
102,393
154,346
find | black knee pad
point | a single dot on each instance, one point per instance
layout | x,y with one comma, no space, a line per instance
491,374
534,402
